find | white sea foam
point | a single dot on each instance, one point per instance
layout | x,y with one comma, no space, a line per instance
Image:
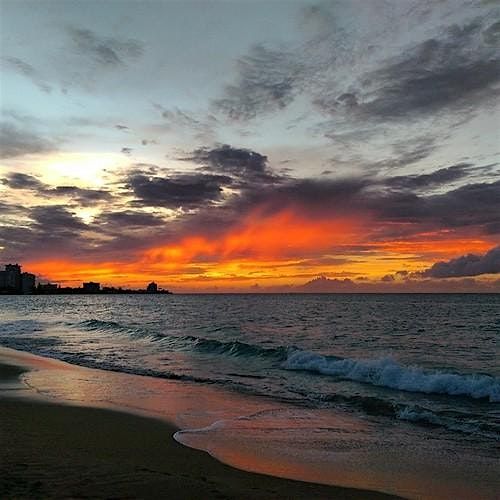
386,372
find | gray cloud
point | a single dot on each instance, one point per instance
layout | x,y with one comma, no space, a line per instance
452,71
16,142
323,284
411,150
9,208
491,35
18,180
467,265
243,164
177,191
438,82
49,230
401,201
473,205
56,218
27,70
430,93
104,51
175,119
81,196
425,181
267,80
128,219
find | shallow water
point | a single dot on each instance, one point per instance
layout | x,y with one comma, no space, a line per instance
325,384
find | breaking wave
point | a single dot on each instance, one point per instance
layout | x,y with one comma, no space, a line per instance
385,372
381,372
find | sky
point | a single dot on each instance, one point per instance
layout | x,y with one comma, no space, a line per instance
265,146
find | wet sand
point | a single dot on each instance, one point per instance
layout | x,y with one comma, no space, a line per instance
51,450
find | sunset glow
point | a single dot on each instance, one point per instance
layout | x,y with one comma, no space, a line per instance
364,154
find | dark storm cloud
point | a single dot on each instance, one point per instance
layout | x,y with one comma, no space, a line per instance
308,197
467,265
425,181
402,201
46,231
474,205
56,218
267,80
244,164
16,142
177,191
27,70
398,205
318,195
49,230
129,219
104,51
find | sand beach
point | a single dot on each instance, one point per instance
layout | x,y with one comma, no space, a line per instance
51,449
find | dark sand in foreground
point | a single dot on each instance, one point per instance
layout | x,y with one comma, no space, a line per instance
55,450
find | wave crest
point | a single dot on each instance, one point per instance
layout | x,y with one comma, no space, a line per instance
385,372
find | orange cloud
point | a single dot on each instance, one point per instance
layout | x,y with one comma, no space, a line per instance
284,248
259,236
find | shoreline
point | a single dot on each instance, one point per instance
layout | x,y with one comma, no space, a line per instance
56,448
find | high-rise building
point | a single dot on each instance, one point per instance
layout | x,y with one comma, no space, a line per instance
10,278
27,282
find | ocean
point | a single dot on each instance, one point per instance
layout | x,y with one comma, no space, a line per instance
402,390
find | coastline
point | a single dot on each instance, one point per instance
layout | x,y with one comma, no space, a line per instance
54,449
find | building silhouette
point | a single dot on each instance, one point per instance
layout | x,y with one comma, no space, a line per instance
15,282
12,280
47,288
27,283
91,287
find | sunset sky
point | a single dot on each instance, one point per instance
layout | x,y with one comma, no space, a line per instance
252,145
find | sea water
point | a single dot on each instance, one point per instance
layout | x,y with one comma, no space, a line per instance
402,389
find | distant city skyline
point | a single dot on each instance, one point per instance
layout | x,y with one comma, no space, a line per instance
14,281
336,145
